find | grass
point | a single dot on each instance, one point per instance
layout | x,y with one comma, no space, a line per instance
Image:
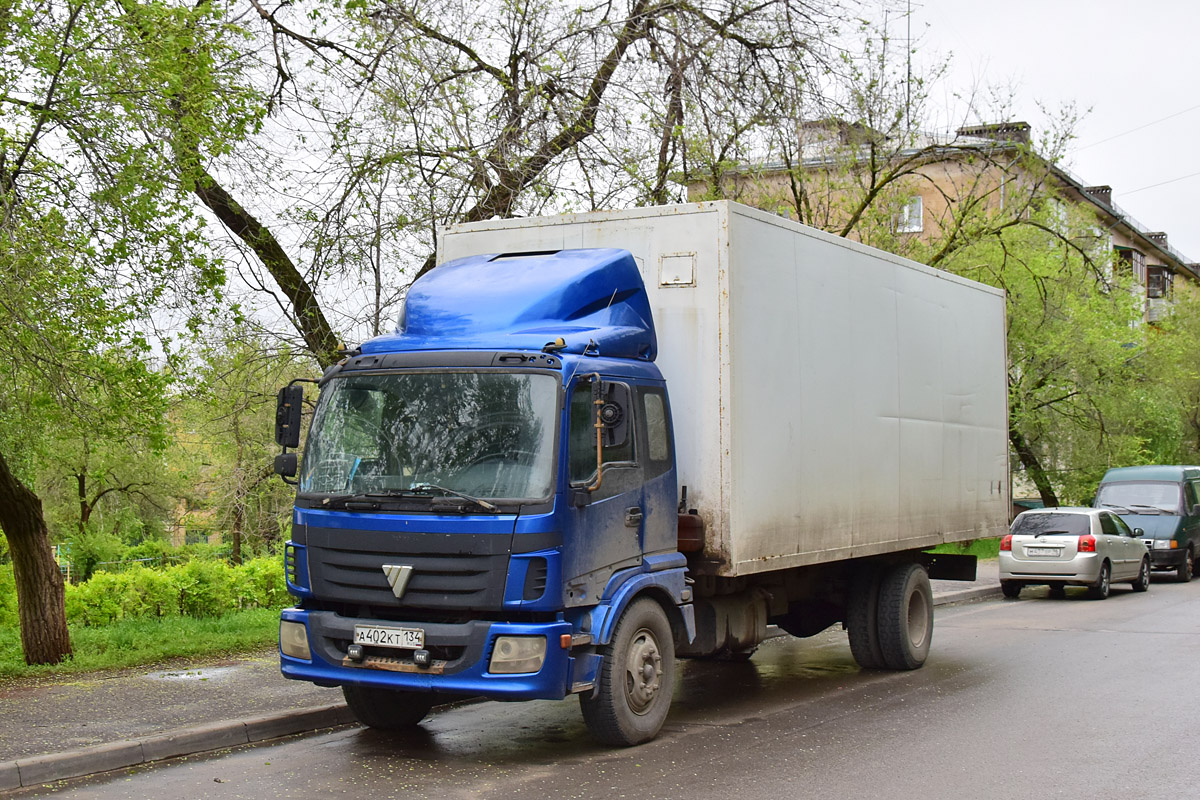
980,548
137,642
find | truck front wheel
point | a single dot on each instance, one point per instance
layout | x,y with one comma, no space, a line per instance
387,709
905,616
636,680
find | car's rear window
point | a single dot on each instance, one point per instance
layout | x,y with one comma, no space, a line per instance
1071,524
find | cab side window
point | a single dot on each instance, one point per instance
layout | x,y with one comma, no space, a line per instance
658,431
1190,492
582,444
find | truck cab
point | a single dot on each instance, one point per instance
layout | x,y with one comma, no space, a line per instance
485,492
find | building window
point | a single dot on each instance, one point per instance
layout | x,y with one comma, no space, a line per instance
1158,282
1135,261
911,218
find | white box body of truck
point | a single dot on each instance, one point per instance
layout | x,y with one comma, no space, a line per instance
829,401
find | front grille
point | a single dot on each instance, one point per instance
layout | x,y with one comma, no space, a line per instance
460,571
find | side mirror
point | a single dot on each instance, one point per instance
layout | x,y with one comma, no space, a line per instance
288,409
1195,511
286,464
1138,532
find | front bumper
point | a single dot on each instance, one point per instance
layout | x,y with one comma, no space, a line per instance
1167,559
460,651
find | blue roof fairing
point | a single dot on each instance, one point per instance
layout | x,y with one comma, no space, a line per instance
590,298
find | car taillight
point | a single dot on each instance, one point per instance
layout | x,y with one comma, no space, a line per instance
1006,542
1087,543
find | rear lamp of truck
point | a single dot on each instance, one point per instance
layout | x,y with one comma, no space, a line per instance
293,640
515,654
1087,543
1006,542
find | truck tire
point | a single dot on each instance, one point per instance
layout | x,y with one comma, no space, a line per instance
905,616
862,614
636,679
1185,571
388,709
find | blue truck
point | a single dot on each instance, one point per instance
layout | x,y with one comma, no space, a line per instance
596,443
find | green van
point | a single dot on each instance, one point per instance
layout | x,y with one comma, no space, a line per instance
1164,501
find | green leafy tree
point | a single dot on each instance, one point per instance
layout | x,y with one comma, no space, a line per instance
97,229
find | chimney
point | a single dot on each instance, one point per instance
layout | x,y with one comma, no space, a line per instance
999,131
1101,193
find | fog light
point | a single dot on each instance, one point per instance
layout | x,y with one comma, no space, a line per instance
293,640
422,658
355,652
513,654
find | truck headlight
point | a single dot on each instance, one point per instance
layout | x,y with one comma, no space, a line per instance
293,640
1165,544
514,654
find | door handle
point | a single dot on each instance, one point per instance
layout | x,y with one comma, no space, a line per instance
633,517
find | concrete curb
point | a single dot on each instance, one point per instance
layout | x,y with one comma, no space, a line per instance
966,595
35,770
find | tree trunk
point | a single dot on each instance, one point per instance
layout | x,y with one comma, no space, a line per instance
1033,468
85,508
40,601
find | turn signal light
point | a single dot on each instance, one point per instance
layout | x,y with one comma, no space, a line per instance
1006,542
1087,543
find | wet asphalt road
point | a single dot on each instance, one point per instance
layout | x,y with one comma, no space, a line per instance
1035,698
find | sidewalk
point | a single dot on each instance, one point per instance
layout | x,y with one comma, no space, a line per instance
67,727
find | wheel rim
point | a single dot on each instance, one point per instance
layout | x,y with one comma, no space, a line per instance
918,619
643,671
1145,576
1104,579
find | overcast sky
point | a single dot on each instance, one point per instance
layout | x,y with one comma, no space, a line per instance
1127,64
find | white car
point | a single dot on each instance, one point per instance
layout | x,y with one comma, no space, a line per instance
1064,547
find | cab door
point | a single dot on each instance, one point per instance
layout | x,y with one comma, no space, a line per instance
605,511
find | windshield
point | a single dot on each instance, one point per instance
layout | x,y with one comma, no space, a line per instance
1140,498
1051,523
482,434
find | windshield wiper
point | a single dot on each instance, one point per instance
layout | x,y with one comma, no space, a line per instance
344,500
425,487
1115,506
1155,509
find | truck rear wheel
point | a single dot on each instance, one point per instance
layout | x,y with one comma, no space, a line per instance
862,615
387,709
905,616
636,680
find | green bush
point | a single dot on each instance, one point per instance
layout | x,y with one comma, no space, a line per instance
199,588
205,588
259,583
8,597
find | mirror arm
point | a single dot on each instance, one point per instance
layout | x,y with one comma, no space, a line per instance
598,401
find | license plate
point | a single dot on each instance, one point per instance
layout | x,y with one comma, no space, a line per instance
1042,551
400,638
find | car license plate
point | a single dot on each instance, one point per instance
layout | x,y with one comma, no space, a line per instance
1042,551
400,638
